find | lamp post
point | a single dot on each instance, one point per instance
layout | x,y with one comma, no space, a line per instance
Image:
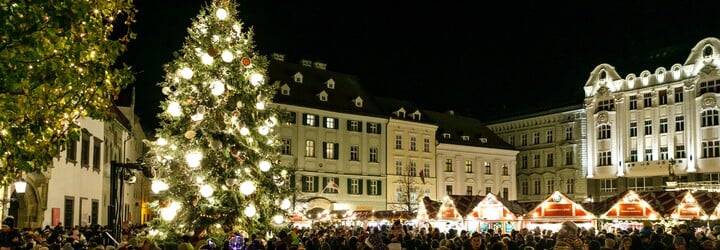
120,172
672,181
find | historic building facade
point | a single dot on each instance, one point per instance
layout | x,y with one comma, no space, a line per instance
553,152
646,131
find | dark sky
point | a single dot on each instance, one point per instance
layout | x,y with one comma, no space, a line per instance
483,60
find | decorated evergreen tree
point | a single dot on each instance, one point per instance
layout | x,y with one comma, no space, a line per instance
216,155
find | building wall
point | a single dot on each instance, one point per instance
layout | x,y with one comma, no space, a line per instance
551,155
456,176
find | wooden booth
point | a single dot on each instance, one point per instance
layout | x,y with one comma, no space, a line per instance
556,209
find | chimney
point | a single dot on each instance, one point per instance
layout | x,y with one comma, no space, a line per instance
279,57
306,63
319,65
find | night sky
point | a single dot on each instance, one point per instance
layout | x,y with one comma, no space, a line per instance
483,61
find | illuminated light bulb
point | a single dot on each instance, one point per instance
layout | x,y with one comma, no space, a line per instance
206,190
197,117
153,232
206,59
244,131
221,14
263,130
260,105
250,211
174,109
247,187
264,165
278,219
168,214
193,159
271,122
186,73
227,56
285,204
256,79
161,141
158,186
217,88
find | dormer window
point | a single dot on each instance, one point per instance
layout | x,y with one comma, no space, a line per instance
603,75
465,138
416,115
298,78
330,84
707,51
446,135
323,96
358,102
400,113
285,89
306,63
483,140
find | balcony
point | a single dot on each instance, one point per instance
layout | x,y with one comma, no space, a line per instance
654,168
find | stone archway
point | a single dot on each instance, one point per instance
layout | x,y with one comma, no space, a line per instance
24,208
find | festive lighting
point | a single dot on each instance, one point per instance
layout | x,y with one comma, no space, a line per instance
285,204
227,56
221,14
193,159
217,88
247,187
250,211
186,73
206,190
264,165
206,59
256,79
161,142
278,219
158,186
263,130
174,109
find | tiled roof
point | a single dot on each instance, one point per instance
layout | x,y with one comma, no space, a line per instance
458,126
389,105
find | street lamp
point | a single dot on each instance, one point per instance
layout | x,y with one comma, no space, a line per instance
20,186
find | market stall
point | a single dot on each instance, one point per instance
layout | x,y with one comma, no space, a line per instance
628,210
556,209
490,212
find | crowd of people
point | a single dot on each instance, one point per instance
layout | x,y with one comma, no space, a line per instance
386,237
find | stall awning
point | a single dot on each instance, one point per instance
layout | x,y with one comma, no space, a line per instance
559,206
431,207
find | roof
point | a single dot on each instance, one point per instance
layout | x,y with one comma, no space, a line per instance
664,202
388,106
574,107
340,97
458,126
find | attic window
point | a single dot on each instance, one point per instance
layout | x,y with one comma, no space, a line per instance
465,138
708,51
401,113
416,115
285,89
603,75
446,135
358,102
298,78
330,84
483,140
323,96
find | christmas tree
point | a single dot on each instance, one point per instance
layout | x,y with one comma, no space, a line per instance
216,155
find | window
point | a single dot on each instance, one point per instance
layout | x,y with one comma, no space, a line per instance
506,170
536,185
85,151
96,153
523,140
426,170
328,185
536,161
488,190
448,189
664,153
413,143
330,150
94,211
679,151
354,153
286,147
309,148
399,167
373,128
468,166
69,212
448,165
505,193
648,127
639,184
355,126
633,155
679,123
709,118
310,120
568,134
607,186
550,186
465,138
608,105
373,155
662,97
468,190
663,125
712,86
524,187
488,168
374,187
633,102
355,186
549,136
331,123
310,184
647,100
536,138
570,186
633,129
524,162
398,141
648,154
678,94
604,132
550,160
511,140
711,149
426,145
569,158
604,158
413,168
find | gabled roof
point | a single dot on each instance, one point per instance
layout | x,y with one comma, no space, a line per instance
341,98
389,105
458,126
663,202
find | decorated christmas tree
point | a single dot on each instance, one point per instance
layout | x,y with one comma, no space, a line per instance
216,155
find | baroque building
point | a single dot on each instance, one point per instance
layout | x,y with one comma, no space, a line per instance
552,157
655,129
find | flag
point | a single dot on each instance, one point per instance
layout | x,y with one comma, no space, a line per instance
332,185
422,176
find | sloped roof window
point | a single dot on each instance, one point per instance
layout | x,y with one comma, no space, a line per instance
298,78
358,102
446,135
323,96
465,138
400,113
330,84
483,140
416,115
285,89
